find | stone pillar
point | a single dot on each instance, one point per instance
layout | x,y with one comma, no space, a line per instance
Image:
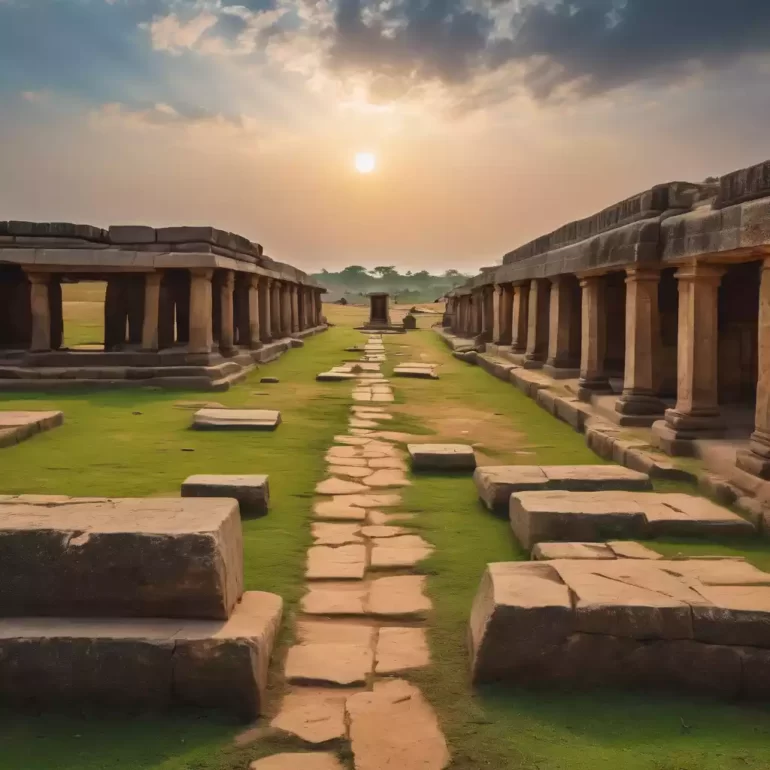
115,313
756,459
41,312
497,292
201,303
538,322
265,314
520,318
593,348
697,405
488,316
561,356
254,335
294,297
226,339
57,312
502,311
276,310
286,309
151,311
134,297
643,348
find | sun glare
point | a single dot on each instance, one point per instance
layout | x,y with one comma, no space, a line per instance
365,162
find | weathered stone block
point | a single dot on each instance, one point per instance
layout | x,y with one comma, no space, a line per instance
121,234
442,457
236,419
120,557
251,491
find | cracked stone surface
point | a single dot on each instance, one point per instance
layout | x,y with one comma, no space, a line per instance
387,478
353,471
412,740
335,600
394,463
348,462
313,714
333,486
345,451
298,761
335,664
338,509
401,649
351,440
400,596
399,552
378,518
332,533
345,562
382,531
371,500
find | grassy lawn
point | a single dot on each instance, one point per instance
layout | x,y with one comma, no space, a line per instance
135,443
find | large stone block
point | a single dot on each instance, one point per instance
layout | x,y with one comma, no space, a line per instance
251,491
139,662
497,483
442,457
120,557
236,419
123,234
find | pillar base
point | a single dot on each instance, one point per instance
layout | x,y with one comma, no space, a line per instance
595,386
532,362
752,463
639,410
676,435
561,371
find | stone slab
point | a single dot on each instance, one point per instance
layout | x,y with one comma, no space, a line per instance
313,715
335,376
251,491
387,477
331,663
333,533
298,761
351,471
335,486
496,484
401,552
146,663
413,739
400,649
442,457
419,372
16,426
401,596
338,509
617,549
120,557
236,419
345,562
326,600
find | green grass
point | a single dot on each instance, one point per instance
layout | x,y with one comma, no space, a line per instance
134,443
497,727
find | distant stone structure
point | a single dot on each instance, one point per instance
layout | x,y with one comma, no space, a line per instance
379,314
410,322
662,299
184,306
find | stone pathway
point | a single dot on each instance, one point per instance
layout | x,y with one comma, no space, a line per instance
362,617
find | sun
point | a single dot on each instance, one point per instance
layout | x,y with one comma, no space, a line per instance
365,162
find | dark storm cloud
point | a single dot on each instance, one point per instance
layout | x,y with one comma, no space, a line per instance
589,45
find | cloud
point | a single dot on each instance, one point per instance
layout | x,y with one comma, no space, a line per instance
549,48
170,33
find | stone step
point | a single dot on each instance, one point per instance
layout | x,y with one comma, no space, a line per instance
496,483
142,663
120,557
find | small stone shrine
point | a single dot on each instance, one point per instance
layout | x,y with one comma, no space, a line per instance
379,314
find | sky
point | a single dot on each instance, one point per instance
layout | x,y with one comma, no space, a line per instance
492,122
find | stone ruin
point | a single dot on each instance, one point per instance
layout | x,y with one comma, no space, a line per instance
189,307
130,602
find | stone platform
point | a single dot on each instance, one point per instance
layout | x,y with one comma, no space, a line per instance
236,419
125,557
15,427
595,516
251,491
616,549
496,483
138,662
695,625
442,457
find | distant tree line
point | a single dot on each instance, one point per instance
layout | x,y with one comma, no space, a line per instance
356,281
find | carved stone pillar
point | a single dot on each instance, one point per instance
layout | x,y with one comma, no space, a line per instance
275,310
115,313
286,310
756,459
265,316
697,404
640,400
538,323
520,318
57,312
294,299
41,312
593,348
563,359
150,322
201,308
226,338
503,310
254,319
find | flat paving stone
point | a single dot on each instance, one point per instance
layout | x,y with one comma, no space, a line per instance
380,451
329,600
401,596
549,551
382,398
334,376
400,552
627,549
332,533
338,509
352,471
419,372
335,664
358,462
401,649
251,491
372,500
333,486
344,451
351,440
357,422
386,477
394,463
496,483
382,531
298,761
413,739
335,632
236,419
345,562
442,457
312,714
379,518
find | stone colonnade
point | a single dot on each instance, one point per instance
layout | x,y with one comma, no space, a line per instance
205,309
563,322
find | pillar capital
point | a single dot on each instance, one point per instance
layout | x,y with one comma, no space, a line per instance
700,272
153,279
640,274
228,279
39,279
202,272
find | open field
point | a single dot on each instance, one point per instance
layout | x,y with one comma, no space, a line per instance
136,443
